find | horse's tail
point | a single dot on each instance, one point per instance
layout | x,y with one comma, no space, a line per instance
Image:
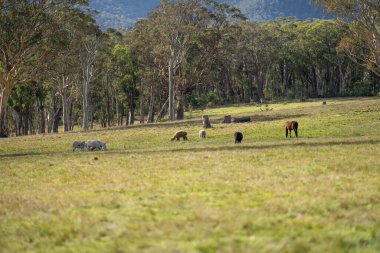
295,125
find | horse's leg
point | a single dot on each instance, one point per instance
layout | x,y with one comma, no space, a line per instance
296,132
286,132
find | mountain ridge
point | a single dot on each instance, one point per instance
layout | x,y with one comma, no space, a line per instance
124,13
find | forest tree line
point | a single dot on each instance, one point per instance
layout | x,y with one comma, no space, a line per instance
58,69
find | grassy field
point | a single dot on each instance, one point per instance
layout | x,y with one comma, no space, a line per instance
317,193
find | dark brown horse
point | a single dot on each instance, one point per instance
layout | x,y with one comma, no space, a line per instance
289,126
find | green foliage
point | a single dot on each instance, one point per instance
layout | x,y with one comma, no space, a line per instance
212,98
127,71
25,95
361,88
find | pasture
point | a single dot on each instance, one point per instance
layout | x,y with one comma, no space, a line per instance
317,193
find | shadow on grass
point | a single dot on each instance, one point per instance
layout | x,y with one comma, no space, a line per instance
299,143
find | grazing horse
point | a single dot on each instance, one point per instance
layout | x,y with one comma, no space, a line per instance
238,137
178,135
202,134
289,126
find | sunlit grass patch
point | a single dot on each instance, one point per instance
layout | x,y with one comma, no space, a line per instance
317,193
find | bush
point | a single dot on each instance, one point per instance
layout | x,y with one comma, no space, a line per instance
361,88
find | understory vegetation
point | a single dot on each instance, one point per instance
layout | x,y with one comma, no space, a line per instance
316,193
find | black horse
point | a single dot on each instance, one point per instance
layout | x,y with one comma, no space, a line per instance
238,137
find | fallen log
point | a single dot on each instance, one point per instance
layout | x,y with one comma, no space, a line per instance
241,119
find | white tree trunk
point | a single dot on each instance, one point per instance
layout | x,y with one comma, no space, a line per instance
87,63
65,104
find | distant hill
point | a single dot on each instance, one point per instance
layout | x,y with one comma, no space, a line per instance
270,9
123,13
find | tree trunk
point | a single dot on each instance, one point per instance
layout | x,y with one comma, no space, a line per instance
42,125
131,119
91,118
3,111
160,114
206,121
32,130
260,87
171,92
65,113
52,110
142,107
108,110
126,117
85,106
87,75
118,115
71,116
56,119
25,122
180,109
16,122
151,107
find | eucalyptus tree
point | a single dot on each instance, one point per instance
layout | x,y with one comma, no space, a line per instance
177,22
25,25
24,100
362,44
104,90
22,25
127,77
76,40
260,52
89,51
317,42
145,42
214,55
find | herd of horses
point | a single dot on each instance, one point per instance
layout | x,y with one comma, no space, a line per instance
289,127
238,136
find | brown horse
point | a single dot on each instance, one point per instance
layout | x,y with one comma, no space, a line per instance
289,126
178,135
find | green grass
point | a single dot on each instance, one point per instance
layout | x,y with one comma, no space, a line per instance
317,193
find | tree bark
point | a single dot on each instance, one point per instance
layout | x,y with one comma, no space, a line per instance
180,109
160,114
151,107
171,91
42,125
65,104
3,110
56,119
85,106
131,119
88,60
260,87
